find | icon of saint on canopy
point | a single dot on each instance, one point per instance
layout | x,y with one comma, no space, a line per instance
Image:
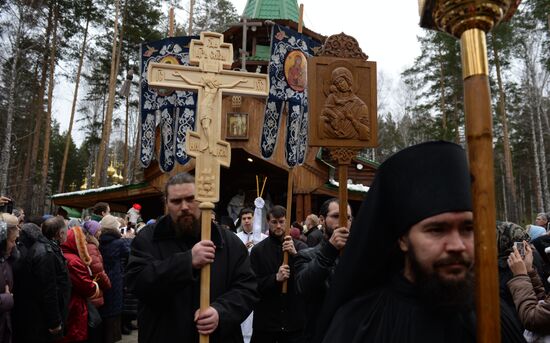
296,70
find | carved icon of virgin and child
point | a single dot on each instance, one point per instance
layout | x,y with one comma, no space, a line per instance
344,115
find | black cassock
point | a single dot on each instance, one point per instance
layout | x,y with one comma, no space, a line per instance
397,314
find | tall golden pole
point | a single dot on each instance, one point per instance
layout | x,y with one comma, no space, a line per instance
469,20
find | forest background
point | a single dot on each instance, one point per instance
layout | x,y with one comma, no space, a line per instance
45,43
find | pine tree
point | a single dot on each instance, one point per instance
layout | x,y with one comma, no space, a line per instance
214,15
436,77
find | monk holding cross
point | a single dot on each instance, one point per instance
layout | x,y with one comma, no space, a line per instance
166,259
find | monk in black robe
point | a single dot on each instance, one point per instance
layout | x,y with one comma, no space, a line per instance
406,274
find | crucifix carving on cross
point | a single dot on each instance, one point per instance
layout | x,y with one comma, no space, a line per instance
211,81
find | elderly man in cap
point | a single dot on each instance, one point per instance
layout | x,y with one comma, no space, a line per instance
410,279
43,287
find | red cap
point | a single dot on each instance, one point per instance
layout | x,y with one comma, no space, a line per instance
137,207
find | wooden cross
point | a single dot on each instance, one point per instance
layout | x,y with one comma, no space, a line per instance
211,81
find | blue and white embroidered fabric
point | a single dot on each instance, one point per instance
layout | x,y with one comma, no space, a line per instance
176,109
286,42
167,156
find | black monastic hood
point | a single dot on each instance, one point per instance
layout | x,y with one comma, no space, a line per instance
416,183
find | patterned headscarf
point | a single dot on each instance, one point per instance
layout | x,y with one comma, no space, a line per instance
8,220
3,231
507,234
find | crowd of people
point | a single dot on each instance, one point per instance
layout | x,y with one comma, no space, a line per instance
63,279
400,270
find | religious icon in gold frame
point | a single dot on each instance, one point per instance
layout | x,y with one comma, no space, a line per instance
296,70
237,125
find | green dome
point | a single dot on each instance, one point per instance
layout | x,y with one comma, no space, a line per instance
271,9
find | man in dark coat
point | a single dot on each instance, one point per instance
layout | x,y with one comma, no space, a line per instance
406,274
42,286
315,266
164,268
277,317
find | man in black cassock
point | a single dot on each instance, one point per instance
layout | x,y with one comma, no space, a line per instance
315,266
278,317
406,274
164,273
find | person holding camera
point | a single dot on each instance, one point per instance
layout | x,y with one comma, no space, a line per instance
532,302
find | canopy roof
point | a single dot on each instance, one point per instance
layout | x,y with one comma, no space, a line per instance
271,9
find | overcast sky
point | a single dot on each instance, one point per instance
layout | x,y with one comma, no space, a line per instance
386,31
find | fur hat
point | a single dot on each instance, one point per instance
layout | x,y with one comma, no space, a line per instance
109,222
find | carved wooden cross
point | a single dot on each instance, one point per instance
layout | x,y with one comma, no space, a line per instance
211,81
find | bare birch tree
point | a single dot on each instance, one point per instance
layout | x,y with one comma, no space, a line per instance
19,14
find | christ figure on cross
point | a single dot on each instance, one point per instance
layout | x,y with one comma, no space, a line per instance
211,86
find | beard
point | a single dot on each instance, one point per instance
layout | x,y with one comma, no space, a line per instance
440,293
328,231
187,225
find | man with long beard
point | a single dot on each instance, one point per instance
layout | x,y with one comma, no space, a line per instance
406,274
164,269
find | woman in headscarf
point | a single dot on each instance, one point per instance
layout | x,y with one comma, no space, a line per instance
532,302
9,232
91,231
535,231
113,249
83,286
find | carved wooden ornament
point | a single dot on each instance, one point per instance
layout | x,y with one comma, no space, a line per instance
342,95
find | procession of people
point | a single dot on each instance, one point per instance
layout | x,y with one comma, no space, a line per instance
380,278
424,258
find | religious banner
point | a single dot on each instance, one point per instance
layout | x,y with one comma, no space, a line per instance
173,109
288,86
